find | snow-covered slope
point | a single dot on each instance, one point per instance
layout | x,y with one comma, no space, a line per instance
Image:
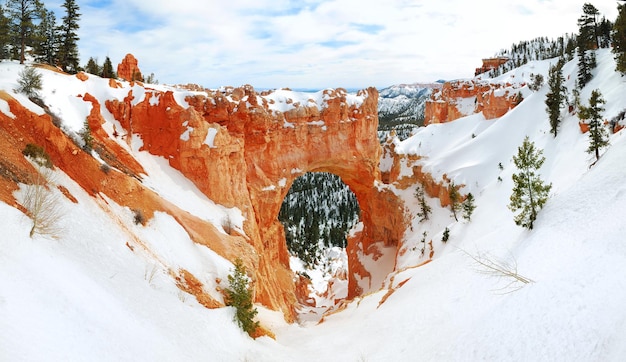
88,297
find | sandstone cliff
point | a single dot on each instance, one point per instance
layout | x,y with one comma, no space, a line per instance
461,98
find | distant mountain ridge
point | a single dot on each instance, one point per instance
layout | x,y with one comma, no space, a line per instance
404,103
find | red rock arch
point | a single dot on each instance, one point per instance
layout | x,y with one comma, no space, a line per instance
256,154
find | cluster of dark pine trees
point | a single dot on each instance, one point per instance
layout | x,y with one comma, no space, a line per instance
28,28
317,213
595,31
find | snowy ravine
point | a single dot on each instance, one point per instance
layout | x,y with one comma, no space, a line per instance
87,297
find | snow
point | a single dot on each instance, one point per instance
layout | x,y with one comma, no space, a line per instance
4,108
210,137
88,296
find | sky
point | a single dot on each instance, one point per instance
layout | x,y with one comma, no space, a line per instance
313,44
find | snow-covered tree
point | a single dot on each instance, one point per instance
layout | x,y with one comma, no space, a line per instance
529,191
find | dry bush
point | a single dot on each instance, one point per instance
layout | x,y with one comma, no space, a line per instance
43,205
501,269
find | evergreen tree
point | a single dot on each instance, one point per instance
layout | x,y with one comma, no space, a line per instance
619,39
107,69
587,41
29,82
584,68
68,49
468,207
92,66
604,32
239,295
556,96
47,38
22,14
5,38
425,209
455,199
598,135
588,28
529,192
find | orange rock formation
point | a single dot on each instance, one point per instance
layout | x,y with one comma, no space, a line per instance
128,69
461,98
257,151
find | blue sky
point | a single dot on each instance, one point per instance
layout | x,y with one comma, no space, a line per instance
315,43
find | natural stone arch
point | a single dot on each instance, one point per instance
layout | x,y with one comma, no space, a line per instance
346,144
254,155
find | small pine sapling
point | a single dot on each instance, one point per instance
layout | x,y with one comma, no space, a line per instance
455,199
468,207
425,209
446,235
239,295
529,192
85,135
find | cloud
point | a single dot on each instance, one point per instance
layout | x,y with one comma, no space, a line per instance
315,43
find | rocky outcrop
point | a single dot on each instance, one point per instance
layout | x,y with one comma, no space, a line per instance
462,98
128,69
244,150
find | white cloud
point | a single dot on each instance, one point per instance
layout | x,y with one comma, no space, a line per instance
315,44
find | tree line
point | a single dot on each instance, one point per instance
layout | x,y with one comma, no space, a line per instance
595,31
28,28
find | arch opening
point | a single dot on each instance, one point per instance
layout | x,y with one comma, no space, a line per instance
317,213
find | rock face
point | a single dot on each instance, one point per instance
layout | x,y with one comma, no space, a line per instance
244,150
128,69
462,98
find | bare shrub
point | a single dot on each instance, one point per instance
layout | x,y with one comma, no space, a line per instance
501,269
43,205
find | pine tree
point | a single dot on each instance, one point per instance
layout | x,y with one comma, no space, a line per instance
107,69
587,41
556,96
47,38
584,69
588,28
604,32
5,38
468,207
529,192
22,14
425,209
598,135
68,50
455,199
619,39
92,66
239,295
